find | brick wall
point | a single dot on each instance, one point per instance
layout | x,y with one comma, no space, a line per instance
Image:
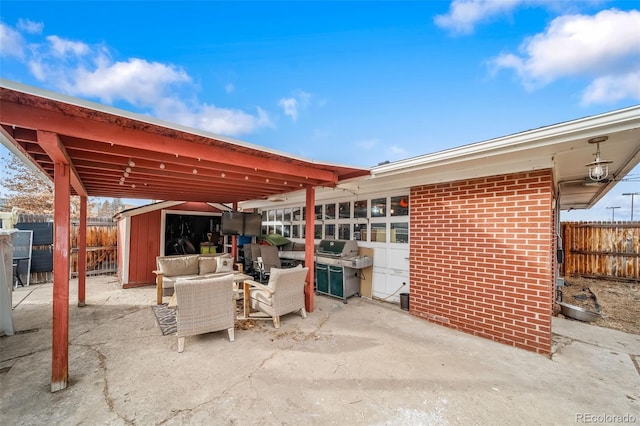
482,257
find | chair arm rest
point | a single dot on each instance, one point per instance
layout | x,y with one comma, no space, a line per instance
157,272
260,286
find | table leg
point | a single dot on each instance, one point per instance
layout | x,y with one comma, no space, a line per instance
245,303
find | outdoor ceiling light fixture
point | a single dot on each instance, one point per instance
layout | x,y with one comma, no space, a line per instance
598,168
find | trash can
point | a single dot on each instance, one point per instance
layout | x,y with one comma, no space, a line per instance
404,301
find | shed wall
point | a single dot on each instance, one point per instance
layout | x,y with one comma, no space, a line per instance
144,248
144,243
482,257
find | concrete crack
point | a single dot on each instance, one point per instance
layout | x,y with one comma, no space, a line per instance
98,322
105,390
26,355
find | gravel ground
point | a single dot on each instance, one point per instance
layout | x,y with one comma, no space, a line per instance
619,301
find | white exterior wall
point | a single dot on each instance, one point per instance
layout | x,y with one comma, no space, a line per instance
384,233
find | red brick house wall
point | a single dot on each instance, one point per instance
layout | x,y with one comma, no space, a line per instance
482,257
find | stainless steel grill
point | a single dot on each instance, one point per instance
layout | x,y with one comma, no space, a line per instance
337,265
341,253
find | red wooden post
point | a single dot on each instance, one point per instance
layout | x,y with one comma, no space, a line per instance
60,340
309,247
82,251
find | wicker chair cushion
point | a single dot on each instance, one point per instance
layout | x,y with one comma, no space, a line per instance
207,265
179,265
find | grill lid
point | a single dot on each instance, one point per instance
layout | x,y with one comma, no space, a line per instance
341,248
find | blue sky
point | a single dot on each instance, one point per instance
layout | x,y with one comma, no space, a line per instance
353,83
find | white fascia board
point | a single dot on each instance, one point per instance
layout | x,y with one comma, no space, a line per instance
557,134
148,208
220,207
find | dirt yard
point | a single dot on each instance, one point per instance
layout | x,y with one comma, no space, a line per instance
618,301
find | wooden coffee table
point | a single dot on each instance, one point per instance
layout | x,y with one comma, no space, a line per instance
237,279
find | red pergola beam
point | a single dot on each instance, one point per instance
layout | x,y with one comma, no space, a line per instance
135,134
51,144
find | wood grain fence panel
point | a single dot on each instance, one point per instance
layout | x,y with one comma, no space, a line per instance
602,249
101,246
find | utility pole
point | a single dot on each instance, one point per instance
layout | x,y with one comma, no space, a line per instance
613,213
632,195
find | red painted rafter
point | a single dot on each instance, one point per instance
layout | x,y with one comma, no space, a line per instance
101,152
134,134
98,145
50,143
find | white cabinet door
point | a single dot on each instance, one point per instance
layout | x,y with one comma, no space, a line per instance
390,273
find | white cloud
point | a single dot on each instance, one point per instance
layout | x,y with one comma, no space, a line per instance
136,81
11,41
84,70
612,88
463,15
229,88
292,106
62,47
27,26
604,47
207,117
395,151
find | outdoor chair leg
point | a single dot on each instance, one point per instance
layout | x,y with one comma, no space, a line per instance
231,332
180,344
276,322
303,313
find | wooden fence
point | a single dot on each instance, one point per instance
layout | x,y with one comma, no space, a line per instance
101,247
609,250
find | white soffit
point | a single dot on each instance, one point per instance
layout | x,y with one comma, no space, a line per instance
545,140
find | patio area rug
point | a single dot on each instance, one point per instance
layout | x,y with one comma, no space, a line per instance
166,318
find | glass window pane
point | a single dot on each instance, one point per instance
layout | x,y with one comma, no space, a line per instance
360,208
303,231
317,232
344,210
330,211
279,215
379,232
279,229
295,231
287,215
304,214
378,208
286,231
360,232
264,216
318,212
264,229
330,232
296,213
400,232
344,231
399,206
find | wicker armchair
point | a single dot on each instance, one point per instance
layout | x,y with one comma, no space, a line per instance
283,294
204,305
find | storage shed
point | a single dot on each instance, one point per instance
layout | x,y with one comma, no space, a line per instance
163,228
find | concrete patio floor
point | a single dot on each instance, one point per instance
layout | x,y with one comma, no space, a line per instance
365,362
